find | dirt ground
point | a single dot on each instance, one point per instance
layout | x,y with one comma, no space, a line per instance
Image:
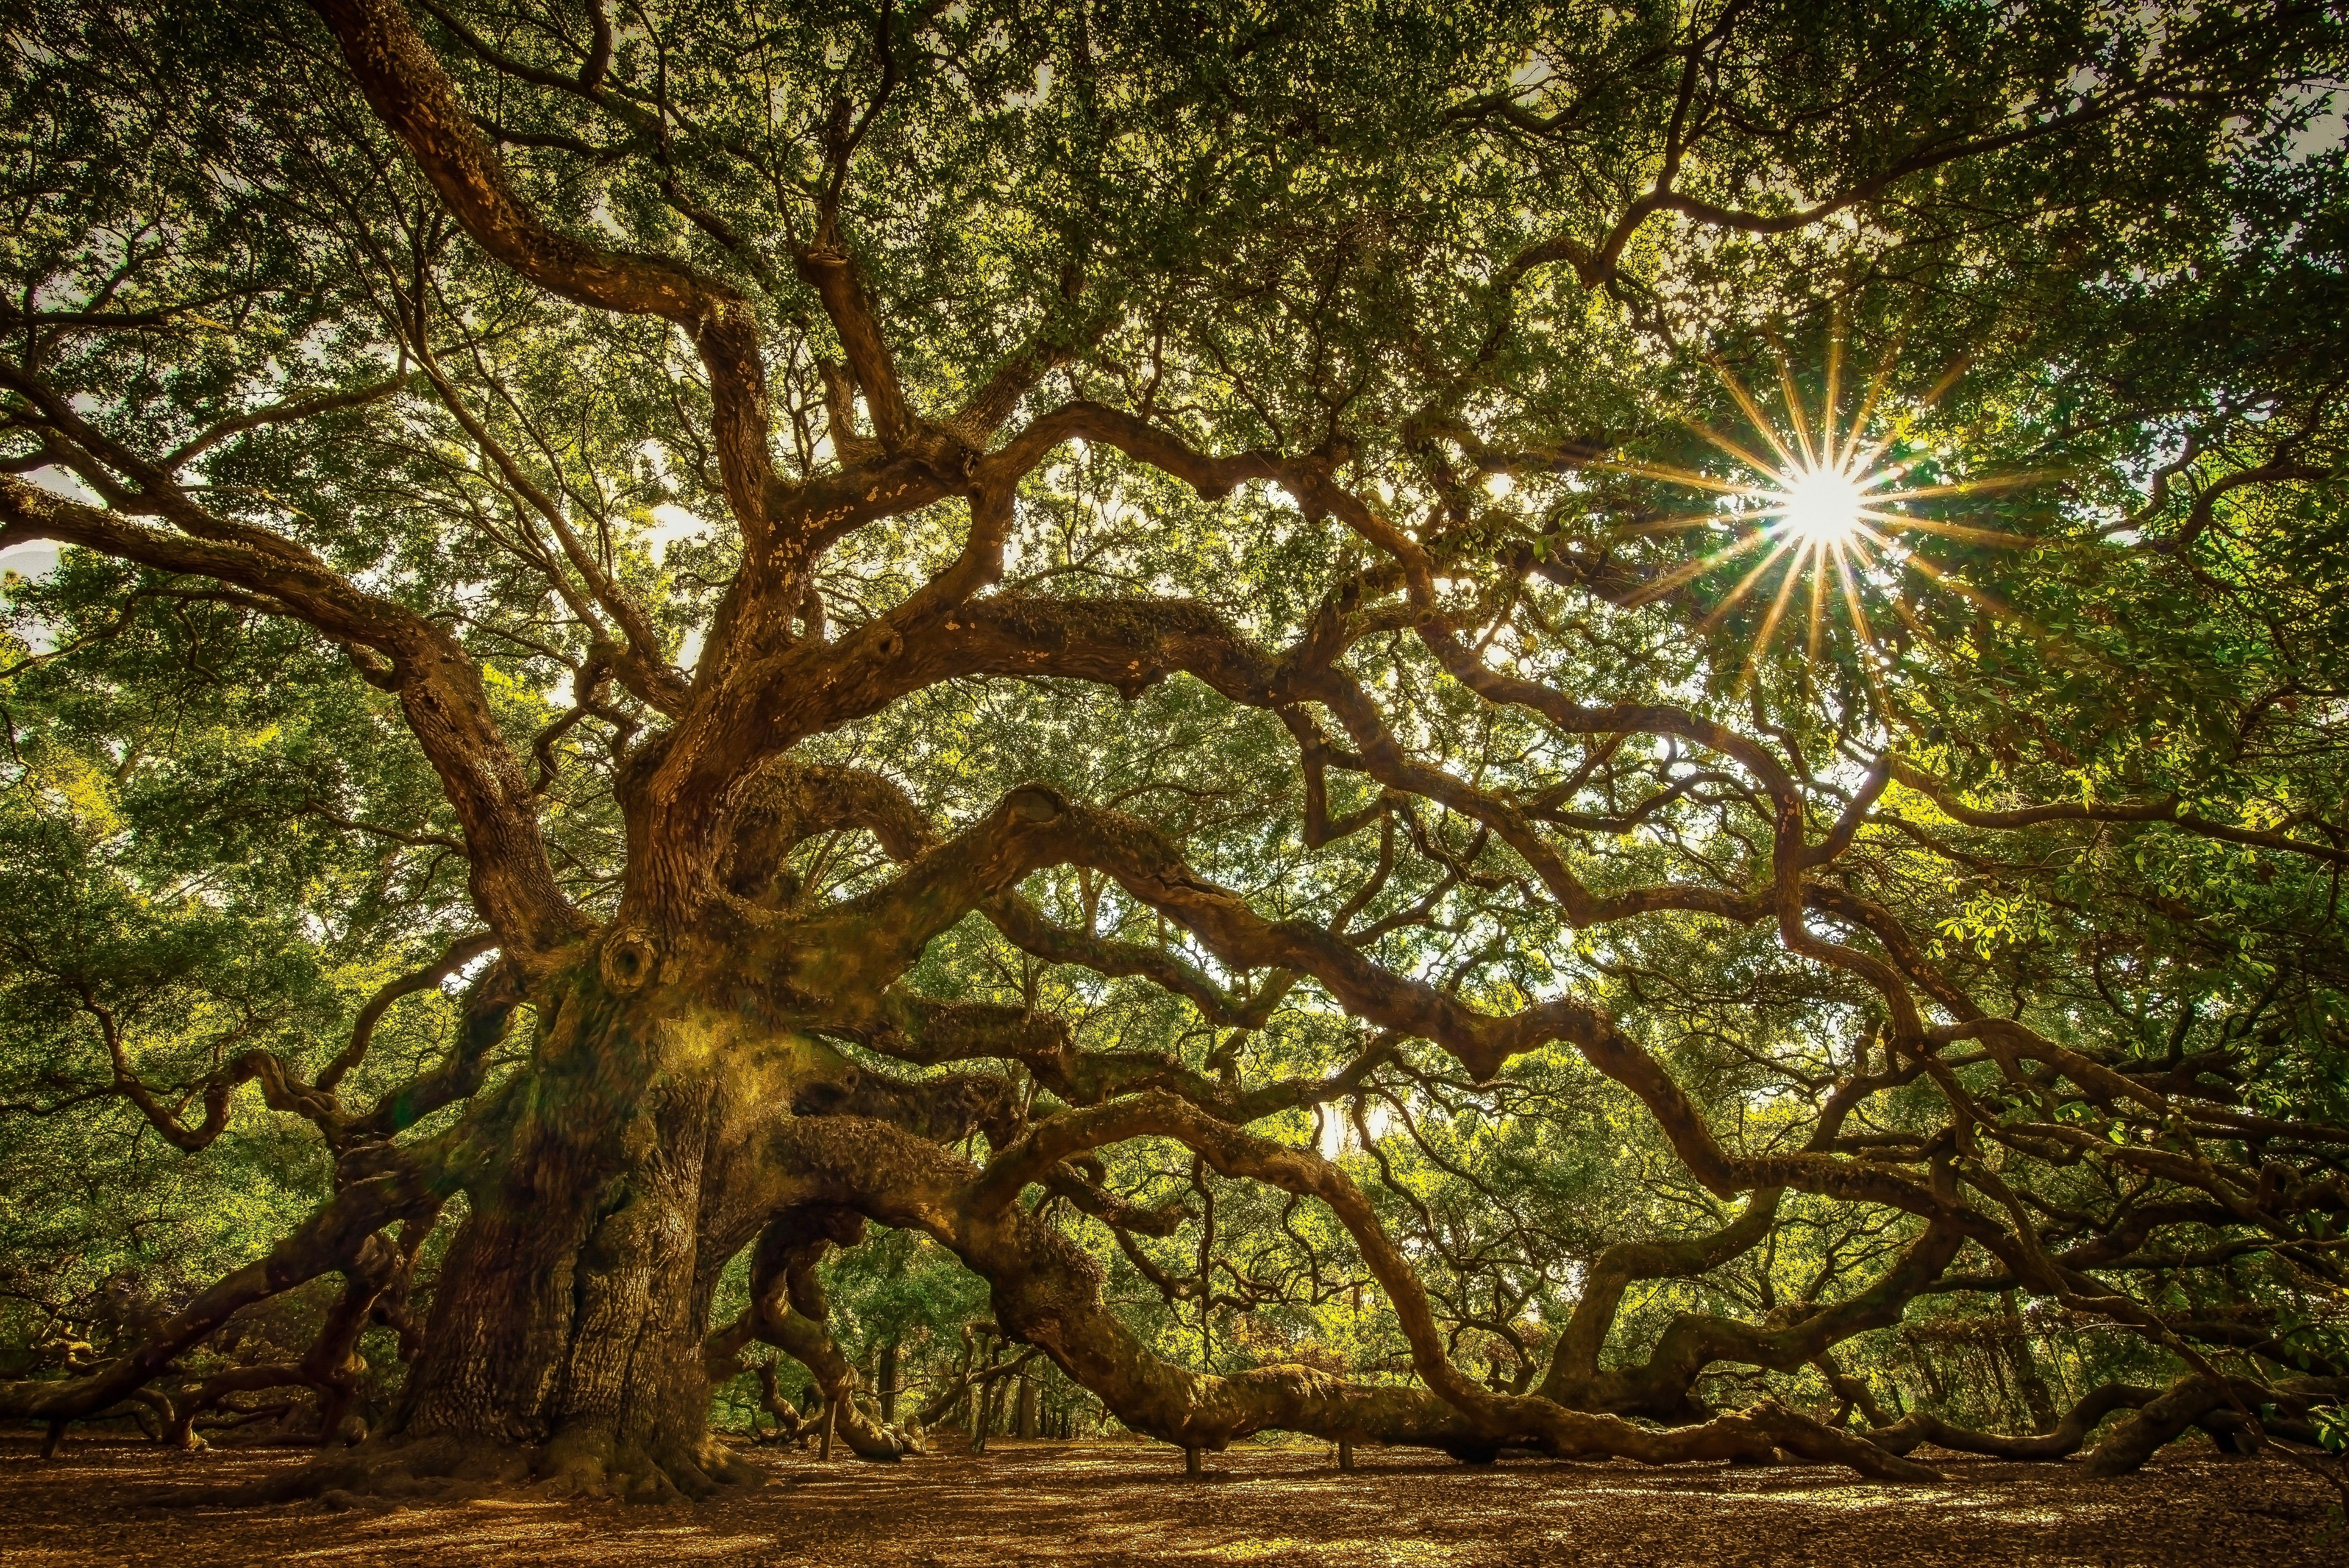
1127,1502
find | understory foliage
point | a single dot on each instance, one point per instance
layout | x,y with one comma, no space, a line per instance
1054,718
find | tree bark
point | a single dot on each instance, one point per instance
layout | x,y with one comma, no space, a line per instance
566,1344
2059,1439
571,1312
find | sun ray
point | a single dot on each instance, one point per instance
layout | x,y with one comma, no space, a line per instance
1812,644
1744,587
1868,645
1966,535
1877,382
1933,394
1830,405
1966,591
1680,574
1851,597
1738,453
1761,421
1763,638
1690,477
1861,533
1679,521
1829,505
1981,486
1813,457
1916,627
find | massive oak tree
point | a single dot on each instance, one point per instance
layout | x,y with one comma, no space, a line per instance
920,615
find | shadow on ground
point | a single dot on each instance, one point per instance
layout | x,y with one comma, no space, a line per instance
1126,1502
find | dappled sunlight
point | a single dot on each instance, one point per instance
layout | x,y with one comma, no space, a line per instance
1126,1502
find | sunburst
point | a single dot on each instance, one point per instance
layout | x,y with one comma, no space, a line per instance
1823,507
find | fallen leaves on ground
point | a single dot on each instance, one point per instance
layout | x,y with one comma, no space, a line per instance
1127,1502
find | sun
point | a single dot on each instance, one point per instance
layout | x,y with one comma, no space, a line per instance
1826,507
1821,506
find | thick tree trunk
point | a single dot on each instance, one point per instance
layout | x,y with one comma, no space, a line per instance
565,1343
569,1317
567,1321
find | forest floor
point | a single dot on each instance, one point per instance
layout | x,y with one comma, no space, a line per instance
1127,1502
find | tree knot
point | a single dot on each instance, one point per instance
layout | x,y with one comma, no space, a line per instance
630,960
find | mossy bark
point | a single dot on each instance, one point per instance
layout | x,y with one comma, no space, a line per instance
566,1345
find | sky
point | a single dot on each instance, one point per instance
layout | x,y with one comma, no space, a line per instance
36,559
29,560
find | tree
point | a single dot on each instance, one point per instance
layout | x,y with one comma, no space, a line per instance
1171,634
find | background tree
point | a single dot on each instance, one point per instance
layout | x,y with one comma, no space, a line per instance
1437,725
